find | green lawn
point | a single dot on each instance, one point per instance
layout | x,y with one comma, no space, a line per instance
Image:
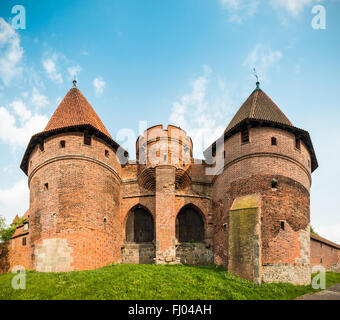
133,282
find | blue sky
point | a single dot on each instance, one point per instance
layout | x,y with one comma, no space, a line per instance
187,62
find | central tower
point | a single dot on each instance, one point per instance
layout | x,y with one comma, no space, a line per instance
163,156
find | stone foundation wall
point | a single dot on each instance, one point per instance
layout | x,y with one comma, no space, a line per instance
195,253
284,272
138,253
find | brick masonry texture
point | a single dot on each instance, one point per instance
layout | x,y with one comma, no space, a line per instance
254,210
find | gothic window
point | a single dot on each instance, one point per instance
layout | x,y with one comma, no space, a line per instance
62,144
140,226
189,225
274,141
24,241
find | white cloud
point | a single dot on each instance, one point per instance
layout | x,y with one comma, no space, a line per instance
10,53
99,84
14,200
330,232
39,100
230,4
240,9
19,124
50,66
74,71
262,58
293,7
201,114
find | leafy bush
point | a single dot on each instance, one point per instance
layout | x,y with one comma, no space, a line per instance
7,232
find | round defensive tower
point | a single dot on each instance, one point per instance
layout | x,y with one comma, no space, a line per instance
163,147
74,181
261,194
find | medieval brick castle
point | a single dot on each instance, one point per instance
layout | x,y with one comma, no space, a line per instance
245,206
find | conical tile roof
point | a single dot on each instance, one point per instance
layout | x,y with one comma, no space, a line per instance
75,110
259,106
257,110
73,114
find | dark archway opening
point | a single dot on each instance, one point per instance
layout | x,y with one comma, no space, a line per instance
189,225
140,226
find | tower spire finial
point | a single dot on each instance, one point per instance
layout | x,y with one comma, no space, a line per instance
257,79
74,82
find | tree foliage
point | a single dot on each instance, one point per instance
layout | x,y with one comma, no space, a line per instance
6,232
312,230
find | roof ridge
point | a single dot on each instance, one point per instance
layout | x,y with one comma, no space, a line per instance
252,109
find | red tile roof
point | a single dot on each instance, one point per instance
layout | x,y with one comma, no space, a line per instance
75,110
260,107
323,240
74,114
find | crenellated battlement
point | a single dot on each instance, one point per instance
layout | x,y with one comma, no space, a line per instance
164,146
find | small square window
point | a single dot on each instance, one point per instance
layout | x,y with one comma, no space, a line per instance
107,153
274,183
24,241
62,144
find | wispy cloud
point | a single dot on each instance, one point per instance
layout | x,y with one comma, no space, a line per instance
39,100
201,113
293,7
262,58
14,200
74,71
10,53
51,68
239,10
18,123
99,85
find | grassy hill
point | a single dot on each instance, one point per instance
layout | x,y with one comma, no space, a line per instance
134,282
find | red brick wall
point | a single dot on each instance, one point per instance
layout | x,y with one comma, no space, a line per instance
83,189
157,142
324,255
249,169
